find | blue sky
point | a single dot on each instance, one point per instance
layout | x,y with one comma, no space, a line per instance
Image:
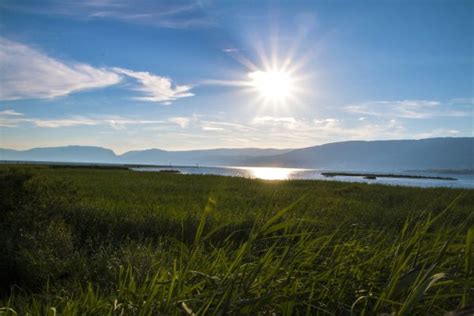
178,74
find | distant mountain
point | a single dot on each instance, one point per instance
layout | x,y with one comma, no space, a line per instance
389,155
432,153
84,154
210,157
61,154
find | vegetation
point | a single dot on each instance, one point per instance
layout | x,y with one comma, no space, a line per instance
79,241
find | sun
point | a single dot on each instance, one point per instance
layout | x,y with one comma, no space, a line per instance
280,81
273,85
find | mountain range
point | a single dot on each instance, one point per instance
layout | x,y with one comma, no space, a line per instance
431,153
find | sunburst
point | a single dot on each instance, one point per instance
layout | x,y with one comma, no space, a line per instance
273,85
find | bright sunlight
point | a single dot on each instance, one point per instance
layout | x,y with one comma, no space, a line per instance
273,85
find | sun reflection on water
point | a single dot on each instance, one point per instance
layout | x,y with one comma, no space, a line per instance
268,173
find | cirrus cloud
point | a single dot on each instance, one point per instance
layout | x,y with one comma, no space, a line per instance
156,88
182,14
26,73
183,122
413,109
11,118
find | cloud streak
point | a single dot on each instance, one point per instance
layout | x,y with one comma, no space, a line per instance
26,73
73,121
412,109
183,122
11,118
287,131
266,131
116,123
156,88
165,14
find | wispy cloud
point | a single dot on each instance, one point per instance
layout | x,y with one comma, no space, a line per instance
183,122
207,127
121,122
269,131
285,131
114,122
228,127
28,73
10,113
11,118
300,132
412,109
73,121
230,50
166,14
438,132
274,119
157,88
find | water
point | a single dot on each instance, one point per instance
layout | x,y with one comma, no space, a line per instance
463,181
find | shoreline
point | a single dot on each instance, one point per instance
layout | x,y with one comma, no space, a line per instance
384,175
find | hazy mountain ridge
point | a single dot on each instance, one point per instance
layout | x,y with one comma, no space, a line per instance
434,153
204,157
93,154
61,154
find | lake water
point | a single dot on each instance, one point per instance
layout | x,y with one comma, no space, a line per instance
463,181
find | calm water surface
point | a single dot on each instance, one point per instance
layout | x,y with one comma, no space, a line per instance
464,181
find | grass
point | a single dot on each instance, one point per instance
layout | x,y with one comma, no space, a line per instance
79,241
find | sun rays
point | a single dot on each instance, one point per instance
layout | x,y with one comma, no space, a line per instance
273,81
277,83
272,85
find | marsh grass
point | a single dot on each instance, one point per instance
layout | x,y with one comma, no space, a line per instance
110,242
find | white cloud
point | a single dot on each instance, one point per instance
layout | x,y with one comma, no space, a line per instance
166,14
276,132
410,109
301,132
230,50
325,122
228,127
211,128
438,132
274,119
183,122
276,122
10,118
157,88
28,73
117,123
10,113
74,121
195,123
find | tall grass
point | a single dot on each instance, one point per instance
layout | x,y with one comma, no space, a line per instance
302,258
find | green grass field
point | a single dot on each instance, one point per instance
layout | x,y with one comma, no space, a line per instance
79,241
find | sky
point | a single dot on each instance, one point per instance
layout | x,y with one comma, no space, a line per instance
180,75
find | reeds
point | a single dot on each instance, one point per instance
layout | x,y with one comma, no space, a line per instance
278,262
